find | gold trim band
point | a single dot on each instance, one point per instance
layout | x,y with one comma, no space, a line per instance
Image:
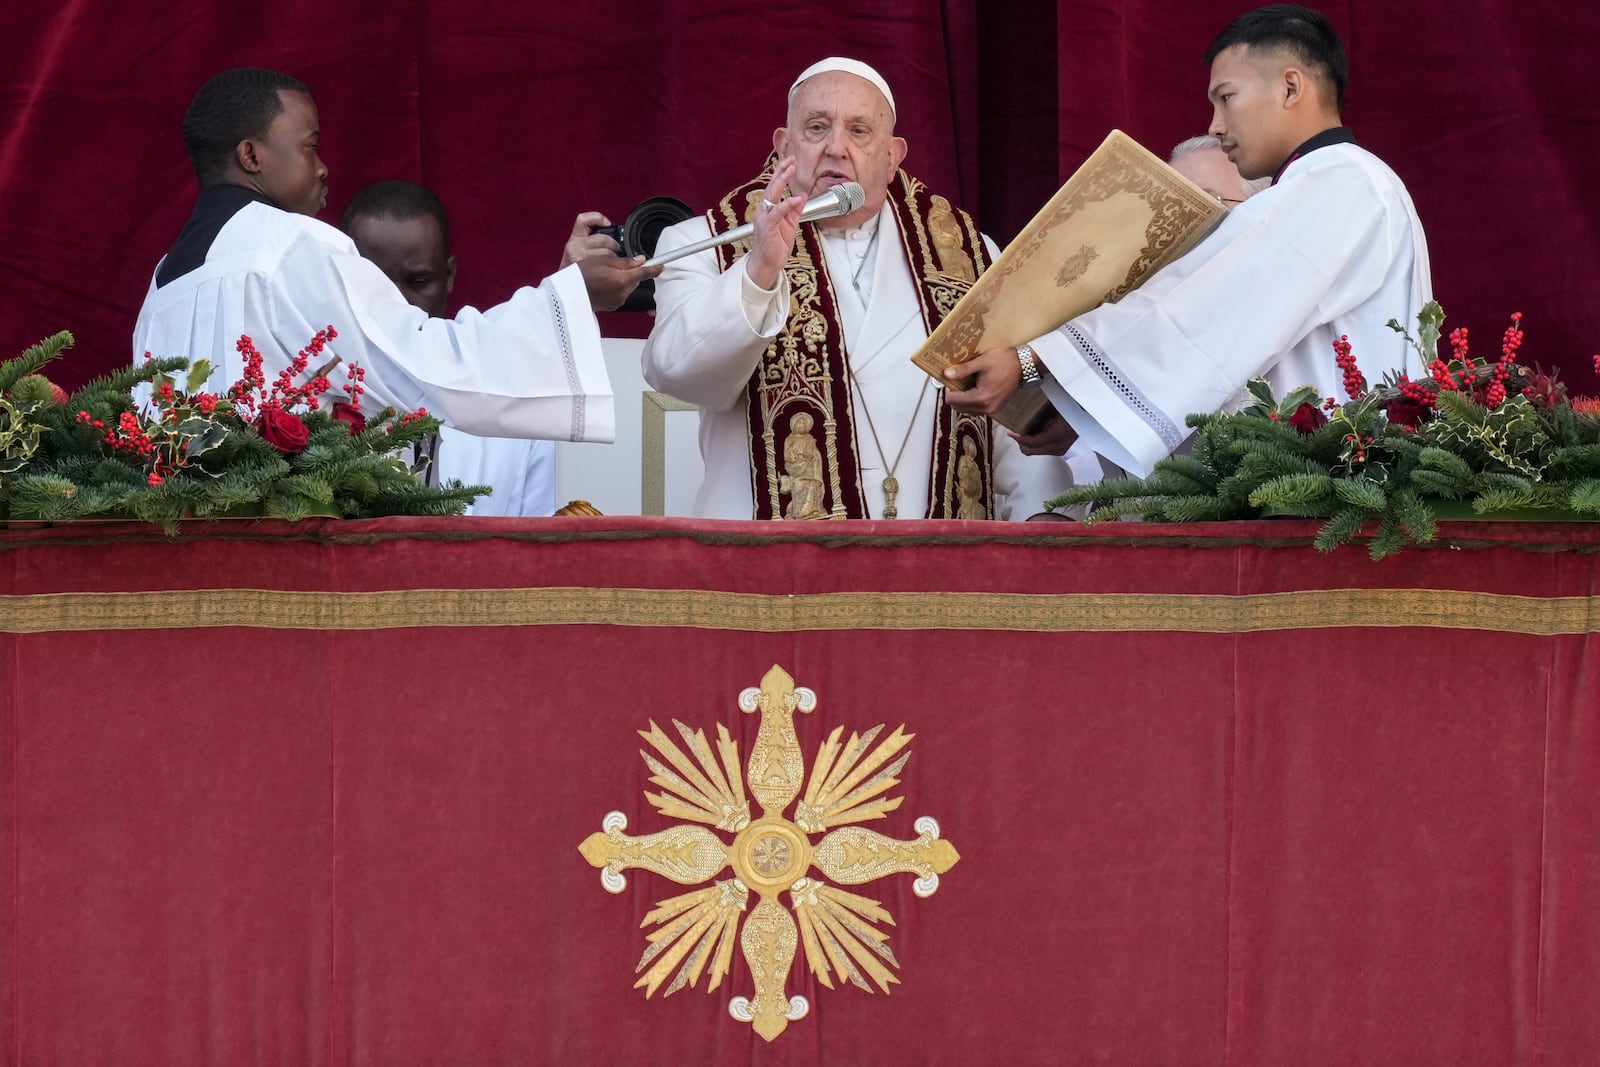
698,609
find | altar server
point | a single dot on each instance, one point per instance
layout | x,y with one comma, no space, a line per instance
402,227
1333,248
252,260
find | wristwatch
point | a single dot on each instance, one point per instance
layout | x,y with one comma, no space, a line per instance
1030,366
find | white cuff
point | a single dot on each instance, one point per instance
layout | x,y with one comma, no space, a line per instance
764,309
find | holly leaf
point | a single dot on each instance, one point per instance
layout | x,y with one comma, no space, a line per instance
1263,392
214,435
1306,394
199,373
1430,323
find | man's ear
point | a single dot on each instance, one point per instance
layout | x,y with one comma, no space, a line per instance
1293,86
449,274
244,153
897,150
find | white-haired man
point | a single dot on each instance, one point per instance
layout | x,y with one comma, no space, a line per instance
798,350
1205,162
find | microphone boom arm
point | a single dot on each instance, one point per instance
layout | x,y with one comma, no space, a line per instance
842,199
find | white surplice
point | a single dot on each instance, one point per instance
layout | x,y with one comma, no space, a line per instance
522,473
530,367
1334,248
712,328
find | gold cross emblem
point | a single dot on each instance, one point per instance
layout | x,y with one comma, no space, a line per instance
837,931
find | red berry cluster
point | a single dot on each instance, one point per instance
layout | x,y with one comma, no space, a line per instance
1462,380
284,394
1355,383
422,413
1360,445
243,392
355,385
1416,392
130,437
1495,394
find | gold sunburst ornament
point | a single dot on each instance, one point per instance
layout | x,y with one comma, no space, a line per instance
839,931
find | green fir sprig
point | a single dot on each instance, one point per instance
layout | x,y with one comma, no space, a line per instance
107,452
1494,434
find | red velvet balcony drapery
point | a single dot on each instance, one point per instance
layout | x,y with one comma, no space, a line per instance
313,793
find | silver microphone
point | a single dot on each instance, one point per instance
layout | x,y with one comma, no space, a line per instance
840,200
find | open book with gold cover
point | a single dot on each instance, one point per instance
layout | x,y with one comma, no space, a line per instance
1120,218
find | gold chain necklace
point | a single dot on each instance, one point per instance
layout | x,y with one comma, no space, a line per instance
891,485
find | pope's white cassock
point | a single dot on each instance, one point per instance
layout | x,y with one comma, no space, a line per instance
712,328
522,473
530,367
1334,247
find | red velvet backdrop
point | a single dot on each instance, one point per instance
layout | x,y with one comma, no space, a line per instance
523,114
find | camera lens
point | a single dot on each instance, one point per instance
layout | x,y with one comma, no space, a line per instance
639,236
645,223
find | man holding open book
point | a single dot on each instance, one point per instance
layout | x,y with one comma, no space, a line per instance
1333,248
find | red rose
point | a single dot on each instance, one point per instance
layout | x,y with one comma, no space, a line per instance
1403,412
1308,418
351,414
283,431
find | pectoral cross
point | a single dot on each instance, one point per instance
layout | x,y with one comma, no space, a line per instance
890,488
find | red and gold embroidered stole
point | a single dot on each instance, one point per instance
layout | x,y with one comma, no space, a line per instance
804,461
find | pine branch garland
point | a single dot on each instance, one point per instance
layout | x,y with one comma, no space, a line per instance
105,454
1341,528
1490,432
32,359
1585,497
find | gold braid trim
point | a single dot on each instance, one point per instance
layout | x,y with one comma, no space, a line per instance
699,609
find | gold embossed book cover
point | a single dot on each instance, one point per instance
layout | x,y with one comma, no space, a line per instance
1122,216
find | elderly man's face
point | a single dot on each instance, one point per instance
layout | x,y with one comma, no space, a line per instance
840,130
1210,169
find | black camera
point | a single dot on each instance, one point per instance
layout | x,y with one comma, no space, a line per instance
638,235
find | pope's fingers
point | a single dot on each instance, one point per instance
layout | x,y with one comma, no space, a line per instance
780,179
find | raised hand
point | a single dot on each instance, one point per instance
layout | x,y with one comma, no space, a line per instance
777,223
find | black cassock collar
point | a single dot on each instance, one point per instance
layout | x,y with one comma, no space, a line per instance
1337,135
212,211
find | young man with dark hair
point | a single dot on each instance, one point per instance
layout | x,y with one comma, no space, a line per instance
253,261
1332,248
402,227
